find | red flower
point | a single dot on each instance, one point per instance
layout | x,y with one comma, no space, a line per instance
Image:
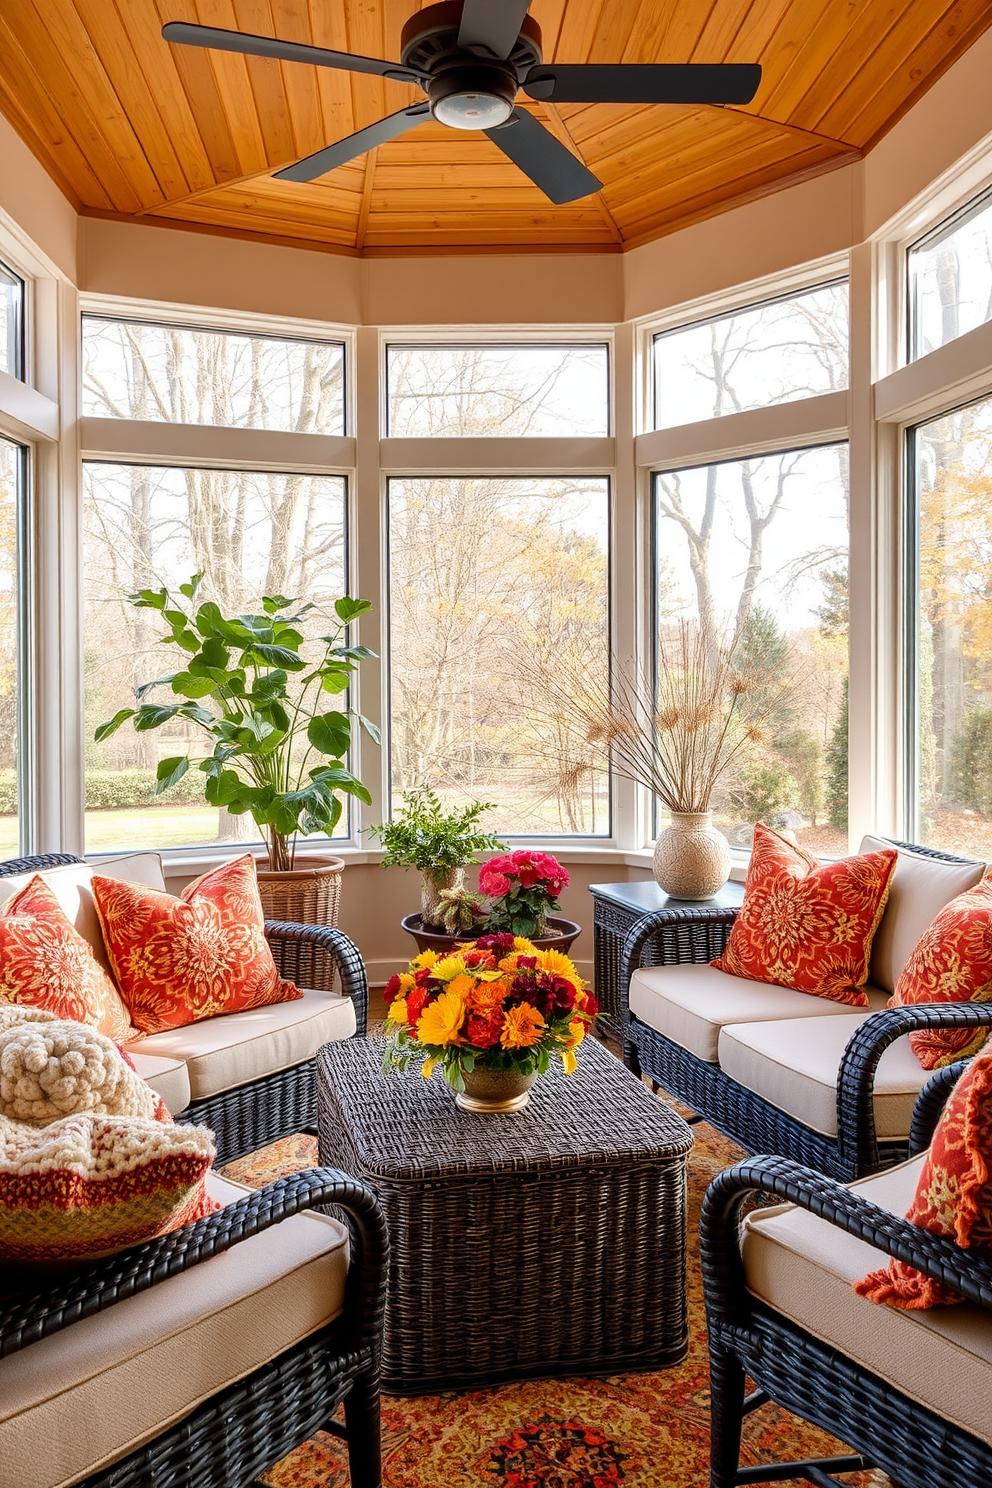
416,1000
483,1030
392,988
498,944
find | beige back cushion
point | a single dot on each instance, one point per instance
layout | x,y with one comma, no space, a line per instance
919,889
71,886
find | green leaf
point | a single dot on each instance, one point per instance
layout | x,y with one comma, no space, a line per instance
287,635
224,788
354,653
170,772
335,682
199,715
208,618
153,715
213,654
348,609
106,729
187,685
330,733
271,684
188,639
190,589
272,603
276,656
139,692
150,599
278,715
370,728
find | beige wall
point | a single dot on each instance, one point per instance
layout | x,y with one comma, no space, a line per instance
35,204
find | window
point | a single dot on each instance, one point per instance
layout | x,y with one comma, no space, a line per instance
179,374
498,390
951,686
252,533
755,552
795,347
495,583
13,474
950,279
11,323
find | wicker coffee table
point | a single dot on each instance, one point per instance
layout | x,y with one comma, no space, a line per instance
549,1242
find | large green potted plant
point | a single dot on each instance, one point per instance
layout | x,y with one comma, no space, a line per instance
423,834
257,690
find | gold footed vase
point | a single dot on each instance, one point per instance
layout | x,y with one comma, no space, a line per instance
495,1091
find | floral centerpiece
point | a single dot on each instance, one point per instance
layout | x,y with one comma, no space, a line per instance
493,1016
523,887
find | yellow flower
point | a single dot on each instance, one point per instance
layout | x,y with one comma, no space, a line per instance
524,947
568,1061
426,958
440,1021
450,966
406,982
560,965
397,1010
576,1033
427,1068
522,1027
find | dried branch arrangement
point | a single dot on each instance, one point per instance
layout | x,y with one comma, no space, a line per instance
680,734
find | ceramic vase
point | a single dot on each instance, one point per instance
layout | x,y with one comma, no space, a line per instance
691,858
494,1091
430,893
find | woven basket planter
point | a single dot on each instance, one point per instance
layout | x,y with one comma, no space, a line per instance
303,896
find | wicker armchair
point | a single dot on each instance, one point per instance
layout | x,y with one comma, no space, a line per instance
696,935
261,1111
227,1440
849,1378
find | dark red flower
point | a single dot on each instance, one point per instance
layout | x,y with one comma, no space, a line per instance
392,988
498,944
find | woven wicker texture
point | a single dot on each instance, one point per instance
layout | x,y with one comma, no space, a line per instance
303,896
918,1448
547,1242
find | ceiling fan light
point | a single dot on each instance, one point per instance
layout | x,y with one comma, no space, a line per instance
473,110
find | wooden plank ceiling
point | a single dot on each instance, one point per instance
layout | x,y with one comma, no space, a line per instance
133,128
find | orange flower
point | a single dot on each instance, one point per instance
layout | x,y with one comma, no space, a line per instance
522,1027
485,996
441,1020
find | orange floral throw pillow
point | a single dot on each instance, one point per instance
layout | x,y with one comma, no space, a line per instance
953,1195
180,960
46,963
806,925
951,962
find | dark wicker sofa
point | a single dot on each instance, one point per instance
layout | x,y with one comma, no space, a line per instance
853,1392
693,936
261,1111
228,1439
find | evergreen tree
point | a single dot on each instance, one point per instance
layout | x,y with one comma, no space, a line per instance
837,782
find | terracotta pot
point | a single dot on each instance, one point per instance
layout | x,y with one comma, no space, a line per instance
691,858
309,895
559,936
499,1091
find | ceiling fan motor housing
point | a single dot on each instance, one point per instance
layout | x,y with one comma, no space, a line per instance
466,88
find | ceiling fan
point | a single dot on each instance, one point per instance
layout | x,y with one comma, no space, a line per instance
471,57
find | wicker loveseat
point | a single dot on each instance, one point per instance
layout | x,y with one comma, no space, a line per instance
200,1359
778,1071
911,1392
248,1076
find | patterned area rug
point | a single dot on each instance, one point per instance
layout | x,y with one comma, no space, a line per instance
640,1430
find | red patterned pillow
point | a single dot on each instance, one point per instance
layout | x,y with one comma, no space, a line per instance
46,963
952,962
89,1185
953,1194
179,960
806,925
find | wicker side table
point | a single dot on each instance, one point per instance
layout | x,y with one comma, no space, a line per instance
616,908
549,1242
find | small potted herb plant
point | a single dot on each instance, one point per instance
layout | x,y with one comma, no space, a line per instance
439,842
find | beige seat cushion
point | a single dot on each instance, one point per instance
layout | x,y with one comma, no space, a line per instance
71,886
804,1268
690,1004
87,1396
794,1067
919,889
237,1048
167,1077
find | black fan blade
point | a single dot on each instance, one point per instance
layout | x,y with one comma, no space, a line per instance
493,24
662,82
183,34
346,149
539,155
